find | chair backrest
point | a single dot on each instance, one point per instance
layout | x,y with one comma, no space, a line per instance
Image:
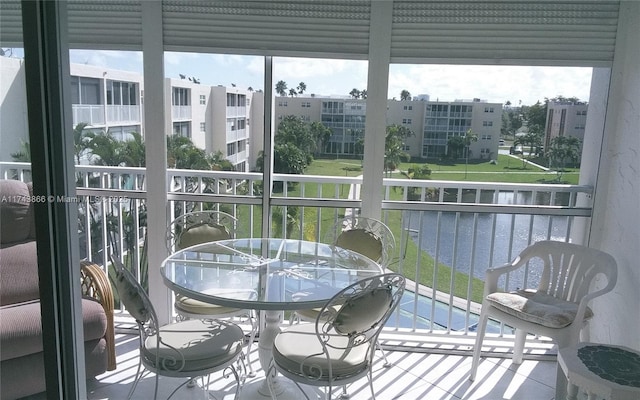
359,312
367,236
134,297
570,268
200,227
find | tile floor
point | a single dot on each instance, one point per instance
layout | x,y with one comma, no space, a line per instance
412,376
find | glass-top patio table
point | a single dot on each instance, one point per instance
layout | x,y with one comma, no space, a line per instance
270,275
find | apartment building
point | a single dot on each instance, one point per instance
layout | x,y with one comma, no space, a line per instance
108,100
565,119
433,123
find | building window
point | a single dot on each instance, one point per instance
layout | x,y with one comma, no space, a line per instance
202,127
583,112
231,149
241,167
121,93
231,100
180,96
282,103
488,109
406,121
487,123
242,146
306,104
182,129
85,90
203,99
486,137
408,108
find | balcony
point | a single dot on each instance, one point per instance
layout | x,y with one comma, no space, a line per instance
181,112
447,233
92,114
121,115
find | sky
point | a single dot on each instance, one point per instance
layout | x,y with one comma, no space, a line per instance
327,77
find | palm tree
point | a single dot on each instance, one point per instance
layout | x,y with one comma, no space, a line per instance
394,153
455,145
363,94
355,93
106,149
469,138
302,87
321,133
81,139
292,92
405,95
561,149
281,88
133,151
183,154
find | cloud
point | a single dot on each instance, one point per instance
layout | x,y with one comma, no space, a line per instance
121,60
493,83
337,77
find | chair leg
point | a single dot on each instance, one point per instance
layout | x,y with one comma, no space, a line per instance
386,364
137,379
482,325
518,349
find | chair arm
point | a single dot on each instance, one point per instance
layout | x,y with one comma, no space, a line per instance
94,284
582,306
493,274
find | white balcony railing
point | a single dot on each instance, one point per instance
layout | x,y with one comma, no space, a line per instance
92,114
447,233
181,112
123,114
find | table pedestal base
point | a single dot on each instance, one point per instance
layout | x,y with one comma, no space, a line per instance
284,389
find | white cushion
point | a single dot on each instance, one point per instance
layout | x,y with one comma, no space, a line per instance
299,351
537,307
194,345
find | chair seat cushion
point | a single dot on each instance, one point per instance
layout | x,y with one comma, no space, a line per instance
194,345
537,307
299,351
188,305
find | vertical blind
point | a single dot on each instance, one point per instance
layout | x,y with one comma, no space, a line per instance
558,32
540,32
270,27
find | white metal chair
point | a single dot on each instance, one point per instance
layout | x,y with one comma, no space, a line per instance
200,227
338,348
188,349
367,236
558,307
